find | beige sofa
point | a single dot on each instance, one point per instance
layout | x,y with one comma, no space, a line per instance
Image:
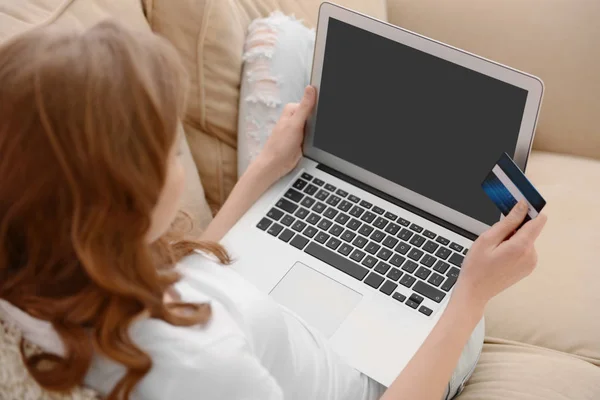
543,335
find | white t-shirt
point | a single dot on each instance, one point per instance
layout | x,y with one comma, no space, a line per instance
252,349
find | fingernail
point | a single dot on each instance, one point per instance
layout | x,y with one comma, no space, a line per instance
522,206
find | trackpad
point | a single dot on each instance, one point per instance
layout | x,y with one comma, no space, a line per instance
319,300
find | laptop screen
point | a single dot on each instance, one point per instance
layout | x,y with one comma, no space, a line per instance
427,124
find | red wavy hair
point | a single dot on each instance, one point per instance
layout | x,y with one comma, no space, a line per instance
87,122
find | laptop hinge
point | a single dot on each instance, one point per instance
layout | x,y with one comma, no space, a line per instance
398,202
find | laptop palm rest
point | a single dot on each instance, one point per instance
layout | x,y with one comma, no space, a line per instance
319,300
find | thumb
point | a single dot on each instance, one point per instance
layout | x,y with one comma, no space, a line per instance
502,229
306,104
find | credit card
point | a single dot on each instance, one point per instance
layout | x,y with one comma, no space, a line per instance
506,185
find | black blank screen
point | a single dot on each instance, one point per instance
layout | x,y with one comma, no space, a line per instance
424,123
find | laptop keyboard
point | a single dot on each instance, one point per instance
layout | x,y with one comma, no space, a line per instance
366,242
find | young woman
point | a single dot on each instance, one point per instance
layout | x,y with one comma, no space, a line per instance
91,270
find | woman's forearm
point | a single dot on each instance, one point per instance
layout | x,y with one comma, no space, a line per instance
427,374
253,183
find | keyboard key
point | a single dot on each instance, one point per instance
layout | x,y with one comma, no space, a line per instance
264,223
402,248
322,194
394,274
319,207
325,224
337,261
425,310
403,222
417,240
392,228
342,219
450,281
287,220
330,187
353,198
311,189
357,255
286,235
345,249
456,259
442,240
345,205
456,247
390,242
299,226
378,210
356,211
365,230
391,216
307,202
372,248
360,242
388,287
310,231
384,254
380,222
333,243
306,176
366,204
416,228
354,224
322,237
429,291
416,298
441,266
348,235
399,296
330,212
374,280
299,242
336,230
302,213
341,193
377,236
410,266
313,218
275,214
275,229
430,246
411,304
423,273
397,260
287,205
333,200
443,253
429,234
382,267
465,251
428,260
318,182
405,234
369,261
453,272
415,254
436,279
293,195
368,217
299,184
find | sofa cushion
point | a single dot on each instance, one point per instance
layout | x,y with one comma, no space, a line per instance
557,306
556,40
17,16
517,372
210,36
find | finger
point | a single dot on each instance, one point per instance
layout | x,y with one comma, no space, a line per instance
523,241
502,229
289,109
306,104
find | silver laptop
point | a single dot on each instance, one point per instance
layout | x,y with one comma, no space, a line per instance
365,238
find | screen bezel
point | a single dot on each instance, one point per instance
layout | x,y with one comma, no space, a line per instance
532,84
